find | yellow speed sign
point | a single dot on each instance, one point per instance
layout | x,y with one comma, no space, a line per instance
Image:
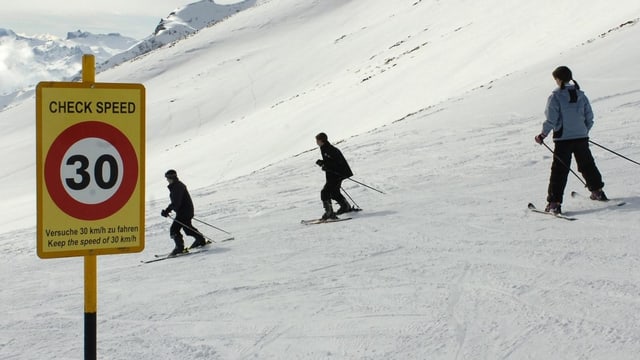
90,161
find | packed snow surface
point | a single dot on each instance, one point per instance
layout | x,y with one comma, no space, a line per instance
436,104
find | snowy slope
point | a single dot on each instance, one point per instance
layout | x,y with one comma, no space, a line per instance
435,103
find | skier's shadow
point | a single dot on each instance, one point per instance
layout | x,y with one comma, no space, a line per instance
361,214
216,249
631,203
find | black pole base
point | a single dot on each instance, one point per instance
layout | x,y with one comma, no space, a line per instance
90,334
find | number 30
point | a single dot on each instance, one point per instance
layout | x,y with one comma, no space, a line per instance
97,172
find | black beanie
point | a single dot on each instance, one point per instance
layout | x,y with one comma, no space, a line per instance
171,174
322,137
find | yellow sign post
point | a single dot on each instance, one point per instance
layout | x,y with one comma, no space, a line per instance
90,174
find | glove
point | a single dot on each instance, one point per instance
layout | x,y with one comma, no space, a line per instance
164,213
320,162
540,138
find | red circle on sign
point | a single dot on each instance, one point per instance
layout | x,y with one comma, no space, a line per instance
53,167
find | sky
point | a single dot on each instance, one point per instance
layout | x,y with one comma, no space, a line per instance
136,19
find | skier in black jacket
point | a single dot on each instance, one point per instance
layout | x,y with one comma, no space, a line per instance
183,206
336,170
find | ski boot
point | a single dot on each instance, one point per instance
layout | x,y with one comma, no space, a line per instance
344,207
179,249
328,211
199,242
553,208
598,195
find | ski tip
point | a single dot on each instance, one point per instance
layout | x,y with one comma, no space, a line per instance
312,221
531,206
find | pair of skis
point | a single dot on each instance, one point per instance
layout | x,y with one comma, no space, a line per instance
328,221
559,216
574,194
186,252
321,221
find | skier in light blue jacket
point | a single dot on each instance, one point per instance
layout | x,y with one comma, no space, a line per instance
570,117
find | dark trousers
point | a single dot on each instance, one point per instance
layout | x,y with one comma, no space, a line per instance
183,224
331,190
562,162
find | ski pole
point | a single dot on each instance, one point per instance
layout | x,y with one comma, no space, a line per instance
365,185
217,228
350,198
355,181
565,165
190,228
609,150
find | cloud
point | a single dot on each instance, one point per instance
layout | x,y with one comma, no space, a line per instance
23,64
15,71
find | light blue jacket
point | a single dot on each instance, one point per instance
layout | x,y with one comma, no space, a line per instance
567,120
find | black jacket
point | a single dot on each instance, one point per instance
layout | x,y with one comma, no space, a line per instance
180,200
334,164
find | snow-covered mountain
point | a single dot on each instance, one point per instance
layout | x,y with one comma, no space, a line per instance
179,24
27,60
434,102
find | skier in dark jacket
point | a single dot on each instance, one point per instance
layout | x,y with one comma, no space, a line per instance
336,170
183,206
569,116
